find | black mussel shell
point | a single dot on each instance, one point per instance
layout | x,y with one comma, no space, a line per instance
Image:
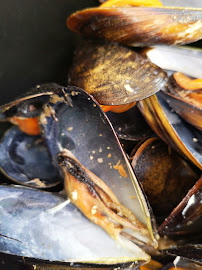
25,160
75,122
29,104
187,215
130,125
172,129
139,26
165,175
114,74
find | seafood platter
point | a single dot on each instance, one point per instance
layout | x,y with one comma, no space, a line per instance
102,170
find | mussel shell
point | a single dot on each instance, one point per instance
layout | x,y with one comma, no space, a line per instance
165,175
114,74
186,60
139,26
36,97
41,225
187,110
171,128
77,123
187,255
130,125
25,160
187,216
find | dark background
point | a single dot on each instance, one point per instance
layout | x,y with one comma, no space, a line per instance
35,44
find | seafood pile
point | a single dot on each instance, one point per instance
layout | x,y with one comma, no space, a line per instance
106,171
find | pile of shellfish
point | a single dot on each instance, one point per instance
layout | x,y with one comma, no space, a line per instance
105,172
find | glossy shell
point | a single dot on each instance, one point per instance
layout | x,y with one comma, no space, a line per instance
41,225
139,26
114,74
90,138
165,175
25,160
172,129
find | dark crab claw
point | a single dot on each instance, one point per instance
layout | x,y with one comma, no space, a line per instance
92,160
25,160
139,26
24,110
114,74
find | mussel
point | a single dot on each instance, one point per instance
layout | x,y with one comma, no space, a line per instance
98,180
25,160
24,110
139,26
157,109
114,74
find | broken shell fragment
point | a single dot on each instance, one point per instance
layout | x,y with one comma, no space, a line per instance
76,123
114,74
139,26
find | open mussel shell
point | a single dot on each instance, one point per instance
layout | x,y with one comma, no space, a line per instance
172,129
187,110
30,103
74,122
130,125
187,216
165,175
25,160
187,61
189,256
139,26
41,225
114,74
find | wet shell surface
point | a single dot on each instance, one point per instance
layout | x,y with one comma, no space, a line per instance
139,26
114,74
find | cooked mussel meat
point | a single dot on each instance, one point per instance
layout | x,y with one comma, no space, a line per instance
184,95
24,110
